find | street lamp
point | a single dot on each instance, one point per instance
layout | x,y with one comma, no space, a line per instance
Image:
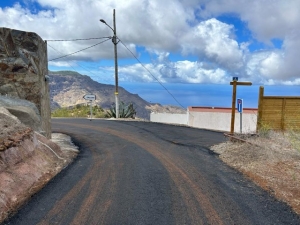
115,42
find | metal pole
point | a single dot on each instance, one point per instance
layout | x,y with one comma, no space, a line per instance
114,40
241,122
91,112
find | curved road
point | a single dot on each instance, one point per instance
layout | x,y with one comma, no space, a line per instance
148,173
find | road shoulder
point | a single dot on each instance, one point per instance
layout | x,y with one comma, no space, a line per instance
28,163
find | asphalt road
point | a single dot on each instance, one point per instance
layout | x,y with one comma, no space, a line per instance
147,173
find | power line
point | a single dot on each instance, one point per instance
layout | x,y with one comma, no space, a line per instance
108,38
82,39
79,50
151,74
70,64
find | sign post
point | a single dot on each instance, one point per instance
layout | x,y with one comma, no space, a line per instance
91,112
240,110
91,98
234,83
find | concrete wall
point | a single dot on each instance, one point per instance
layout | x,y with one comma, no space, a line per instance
212,118
222,121
23,66
169,118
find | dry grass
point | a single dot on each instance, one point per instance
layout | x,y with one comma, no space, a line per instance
272,161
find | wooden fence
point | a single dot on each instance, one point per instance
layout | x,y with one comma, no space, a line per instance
278,112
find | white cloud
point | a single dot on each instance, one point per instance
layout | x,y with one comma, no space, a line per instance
62,64
193,72
172,26
259,65
276,66
291,65
213,39
173,72
271,65
267,19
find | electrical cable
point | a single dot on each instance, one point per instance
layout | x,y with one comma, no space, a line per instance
70,64
152,74
81,39
79,50
108,38
60,53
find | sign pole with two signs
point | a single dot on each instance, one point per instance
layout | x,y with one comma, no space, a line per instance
234,83
91,98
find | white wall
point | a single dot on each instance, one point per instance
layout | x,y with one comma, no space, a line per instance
222,121
209,120
169,118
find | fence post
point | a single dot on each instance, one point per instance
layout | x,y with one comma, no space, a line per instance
260,108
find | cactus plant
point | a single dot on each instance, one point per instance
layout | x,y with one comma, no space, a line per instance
125,111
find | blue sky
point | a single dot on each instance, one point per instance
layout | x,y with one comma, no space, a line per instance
183,43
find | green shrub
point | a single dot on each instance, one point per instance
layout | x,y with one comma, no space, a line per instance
264,130
125,111
79,111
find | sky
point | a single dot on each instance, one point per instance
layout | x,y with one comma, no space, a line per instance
179,43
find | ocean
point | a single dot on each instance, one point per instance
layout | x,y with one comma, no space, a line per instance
212,95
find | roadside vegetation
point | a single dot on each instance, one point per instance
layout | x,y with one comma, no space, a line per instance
79,111
83,110
125,111
271,159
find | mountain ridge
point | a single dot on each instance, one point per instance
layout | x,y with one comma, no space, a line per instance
67,88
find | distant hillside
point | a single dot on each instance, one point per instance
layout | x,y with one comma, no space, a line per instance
67,88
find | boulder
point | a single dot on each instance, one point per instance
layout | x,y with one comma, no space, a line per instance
23,111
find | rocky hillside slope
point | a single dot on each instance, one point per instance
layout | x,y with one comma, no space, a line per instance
67,88
27,162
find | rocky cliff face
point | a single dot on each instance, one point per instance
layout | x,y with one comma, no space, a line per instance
68,88
28,162
23,66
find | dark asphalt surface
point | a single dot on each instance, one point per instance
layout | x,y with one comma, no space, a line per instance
148,173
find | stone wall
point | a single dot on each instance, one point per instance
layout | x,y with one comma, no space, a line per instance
23,70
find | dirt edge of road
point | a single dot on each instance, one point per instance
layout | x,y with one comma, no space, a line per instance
271,161
28,161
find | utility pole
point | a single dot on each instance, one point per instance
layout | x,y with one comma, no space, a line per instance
115,42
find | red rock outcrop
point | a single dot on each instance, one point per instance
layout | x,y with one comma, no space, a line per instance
28,160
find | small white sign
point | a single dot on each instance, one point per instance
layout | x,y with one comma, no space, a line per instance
90,97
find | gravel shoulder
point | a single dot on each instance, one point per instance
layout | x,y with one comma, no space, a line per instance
272,161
